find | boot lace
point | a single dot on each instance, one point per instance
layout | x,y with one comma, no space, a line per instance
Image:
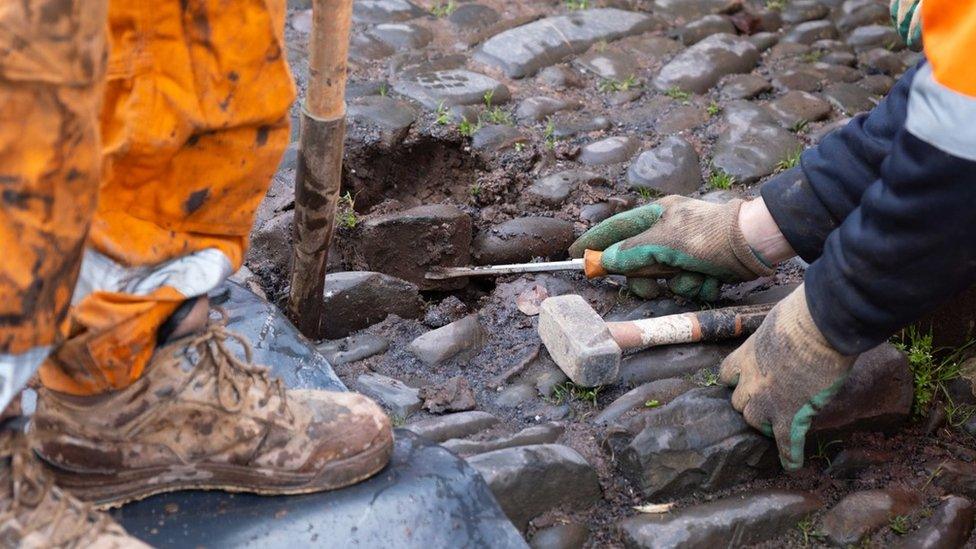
235,377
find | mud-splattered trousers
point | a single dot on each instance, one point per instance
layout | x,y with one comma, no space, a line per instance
884,208
136,140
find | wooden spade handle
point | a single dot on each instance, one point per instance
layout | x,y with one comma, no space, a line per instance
327,59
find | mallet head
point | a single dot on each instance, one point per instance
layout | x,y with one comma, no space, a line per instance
578,341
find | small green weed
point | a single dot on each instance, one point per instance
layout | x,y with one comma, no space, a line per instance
443,115
899,524
709,378
713,109
776,4
489,95
791,161
809,531
799,126
443,9
475,190
822,448
958,414
812,56
519,146
574,5
497,115
610,85
932,369
549,134
720,179
384,89
678,94
397,421
467,129
645,193
653,403
571,391
347,211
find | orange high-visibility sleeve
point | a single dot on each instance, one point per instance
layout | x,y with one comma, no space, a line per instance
194,124
949,37
942,102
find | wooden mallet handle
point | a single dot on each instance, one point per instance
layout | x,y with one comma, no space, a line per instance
711,325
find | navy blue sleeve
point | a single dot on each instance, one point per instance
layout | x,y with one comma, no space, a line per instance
908,247
812,200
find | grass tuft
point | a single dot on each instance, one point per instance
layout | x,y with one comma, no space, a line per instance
899,524
720,179
792,160
809,531
443,115
799,126
497,115
443,9
678,94
347,211
932,370
611,85
571,391
709,378
467,129
812,56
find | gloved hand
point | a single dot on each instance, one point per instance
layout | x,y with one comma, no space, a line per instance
701,238
784,374
907,16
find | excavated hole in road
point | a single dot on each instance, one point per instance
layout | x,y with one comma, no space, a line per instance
425,171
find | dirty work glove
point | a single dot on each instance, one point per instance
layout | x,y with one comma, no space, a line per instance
784,374
907,16
700,238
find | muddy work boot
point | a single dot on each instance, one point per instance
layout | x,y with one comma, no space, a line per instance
36,513
202,418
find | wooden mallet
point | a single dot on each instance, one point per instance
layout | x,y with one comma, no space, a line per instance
588,350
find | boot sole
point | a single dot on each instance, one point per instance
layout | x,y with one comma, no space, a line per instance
115,490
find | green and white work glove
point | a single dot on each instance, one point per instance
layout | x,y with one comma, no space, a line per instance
700,238
907,17
784,374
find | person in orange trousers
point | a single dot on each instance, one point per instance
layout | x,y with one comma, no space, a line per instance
138,139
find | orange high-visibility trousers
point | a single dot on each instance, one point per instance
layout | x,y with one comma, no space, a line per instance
136,141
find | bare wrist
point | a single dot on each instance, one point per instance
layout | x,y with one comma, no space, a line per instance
762,233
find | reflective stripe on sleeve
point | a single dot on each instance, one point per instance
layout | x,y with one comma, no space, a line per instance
942,117
192,275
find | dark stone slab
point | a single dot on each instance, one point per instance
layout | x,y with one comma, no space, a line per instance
425,498
524,50
731,522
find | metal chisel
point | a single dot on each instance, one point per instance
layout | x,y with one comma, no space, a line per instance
589,264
